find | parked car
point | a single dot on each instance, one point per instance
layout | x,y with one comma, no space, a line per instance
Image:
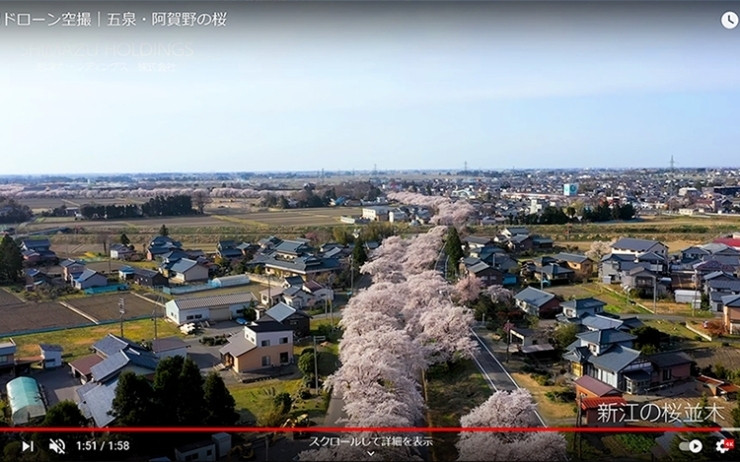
242,321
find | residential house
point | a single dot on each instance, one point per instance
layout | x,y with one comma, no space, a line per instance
297,297
670,367
716,387
636,247
99,374
719,285
644,282
272,296
731,313
604,321
51,355
35,278
477,243
169,346
608,356
510,232
541,242
555,274
121,252
113,355
261,345
488,275
295,258
126,273
150,278
38,251
589,387
290,316
7,355
89,279
161,245
293,281
611,267
657,263
579,308
582,266
530,341
214,307
537,302
228,250
520,243
71,269
592,411
397,216
486,252
376,213
186,271
319,292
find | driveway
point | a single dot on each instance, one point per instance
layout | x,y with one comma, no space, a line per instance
58,384
206,357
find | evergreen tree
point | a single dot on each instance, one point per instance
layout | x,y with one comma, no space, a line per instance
64,414
166,384
11,260
124,239
220,405
192,404
132,405
163,231
453,249
359,255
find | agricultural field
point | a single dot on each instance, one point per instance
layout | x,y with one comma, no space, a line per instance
77,342
6,298
105,307
29,316
615,303
727,356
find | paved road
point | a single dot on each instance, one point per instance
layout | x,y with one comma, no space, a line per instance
495,373
665,317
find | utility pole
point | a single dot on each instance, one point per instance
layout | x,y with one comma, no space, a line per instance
122,310
655,295
351,276
316,361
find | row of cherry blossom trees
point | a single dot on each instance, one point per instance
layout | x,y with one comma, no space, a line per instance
446,211
19,193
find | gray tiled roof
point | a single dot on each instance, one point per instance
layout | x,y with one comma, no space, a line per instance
87,274
98,402
670,359
268,326
112,365
605,337
112,344
184,265
732,301
635,245
583,304
571,257
732,285
237,346
281,312
213,301
534,297
615,358
601,322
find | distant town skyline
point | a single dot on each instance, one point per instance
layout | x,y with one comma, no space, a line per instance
425,91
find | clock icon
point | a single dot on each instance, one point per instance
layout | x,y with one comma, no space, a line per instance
729,20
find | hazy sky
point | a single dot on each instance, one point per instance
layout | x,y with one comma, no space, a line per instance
292,88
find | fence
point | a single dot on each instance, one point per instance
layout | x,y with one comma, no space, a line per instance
106,289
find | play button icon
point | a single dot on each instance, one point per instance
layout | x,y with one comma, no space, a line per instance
695,446
26,446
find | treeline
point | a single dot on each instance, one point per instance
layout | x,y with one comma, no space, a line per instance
160,206
557,216
11,211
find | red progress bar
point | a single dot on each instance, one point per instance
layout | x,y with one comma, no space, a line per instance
357,429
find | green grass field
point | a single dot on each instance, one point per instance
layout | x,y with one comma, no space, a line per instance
254,401
77,342
450,394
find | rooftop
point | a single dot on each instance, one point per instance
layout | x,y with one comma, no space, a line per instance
213,301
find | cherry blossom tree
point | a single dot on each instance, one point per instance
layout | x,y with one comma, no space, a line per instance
468,289
508,409
599,249
499,294
446,333
423,250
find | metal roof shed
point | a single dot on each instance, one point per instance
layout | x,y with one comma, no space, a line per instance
24,396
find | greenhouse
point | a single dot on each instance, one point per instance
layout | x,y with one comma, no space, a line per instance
24,397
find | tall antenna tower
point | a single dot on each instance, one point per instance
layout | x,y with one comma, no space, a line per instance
375,169
465,169
672,163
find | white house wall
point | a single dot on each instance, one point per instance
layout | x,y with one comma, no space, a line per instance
273,337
